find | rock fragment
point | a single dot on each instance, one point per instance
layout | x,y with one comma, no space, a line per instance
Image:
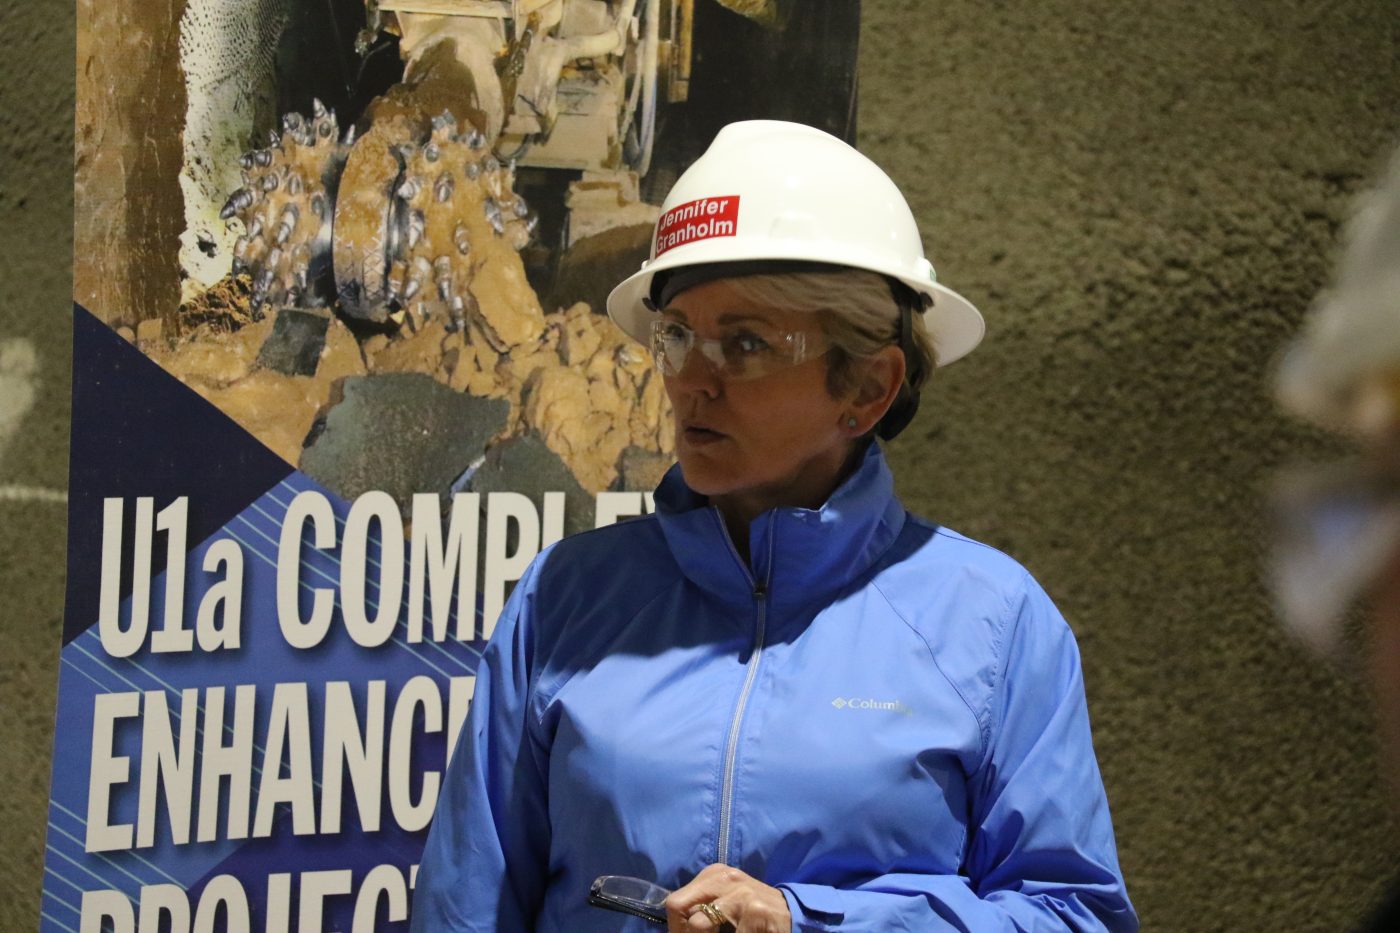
642,469
297,340
526,465
403,433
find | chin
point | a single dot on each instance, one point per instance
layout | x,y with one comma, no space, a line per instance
708,476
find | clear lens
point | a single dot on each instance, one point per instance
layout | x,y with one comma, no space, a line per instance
634,890
742,351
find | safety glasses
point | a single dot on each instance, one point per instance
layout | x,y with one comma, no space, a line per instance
744,350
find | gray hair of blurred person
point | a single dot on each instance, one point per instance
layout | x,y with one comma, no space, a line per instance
1343,372
859,312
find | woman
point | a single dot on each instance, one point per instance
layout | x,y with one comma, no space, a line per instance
781,695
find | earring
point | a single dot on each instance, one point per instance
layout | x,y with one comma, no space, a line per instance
851,421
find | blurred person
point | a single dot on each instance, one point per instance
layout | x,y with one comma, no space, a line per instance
1339,527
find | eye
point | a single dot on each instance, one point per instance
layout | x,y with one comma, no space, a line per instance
745,343
672,332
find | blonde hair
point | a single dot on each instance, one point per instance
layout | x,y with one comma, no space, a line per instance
859,313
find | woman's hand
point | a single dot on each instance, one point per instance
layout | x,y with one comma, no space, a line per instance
750,905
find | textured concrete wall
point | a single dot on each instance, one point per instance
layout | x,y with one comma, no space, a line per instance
36,209
1142,197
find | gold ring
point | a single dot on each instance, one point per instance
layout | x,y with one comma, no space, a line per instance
715,915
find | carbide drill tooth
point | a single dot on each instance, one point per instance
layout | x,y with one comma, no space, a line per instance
493,216
444,121
273,140
317,108
325,129
422,269
255,228
442,190
476,139
274,259
431,152
532,224
299,276
294,185
291,121
318,205
237,266
270,182
263,158
461,239
417,223
233,205
520,207
408,189
473,171
262,281
349,136
411,288
492,165
288,222
246,160
442,268
283,232
444,289
240,247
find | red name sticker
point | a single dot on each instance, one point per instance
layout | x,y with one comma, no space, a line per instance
697,220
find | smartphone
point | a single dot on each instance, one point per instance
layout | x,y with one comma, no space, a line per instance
630,896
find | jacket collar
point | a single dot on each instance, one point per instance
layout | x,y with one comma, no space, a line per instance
799,556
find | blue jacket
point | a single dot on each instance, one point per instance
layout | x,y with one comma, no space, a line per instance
881,717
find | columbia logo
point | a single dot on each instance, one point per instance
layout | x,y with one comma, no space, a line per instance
894,706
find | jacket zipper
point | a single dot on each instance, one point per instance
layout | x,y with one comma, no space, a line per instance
731,749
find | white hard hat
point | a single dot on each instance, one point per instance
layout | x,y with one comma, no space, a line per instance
769,190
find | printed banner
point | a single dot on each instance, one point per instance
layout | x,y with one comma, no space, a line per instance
341,370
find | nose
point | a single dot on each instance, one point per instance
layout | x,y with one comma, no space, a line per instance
698,373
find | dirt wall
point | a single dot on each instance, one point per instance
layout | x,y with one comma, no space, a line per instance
1142,198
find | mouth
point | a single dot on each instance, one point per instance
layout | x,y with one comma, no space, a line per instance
695,433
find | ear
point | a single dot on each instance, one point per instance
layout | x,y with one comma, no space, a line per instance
877,385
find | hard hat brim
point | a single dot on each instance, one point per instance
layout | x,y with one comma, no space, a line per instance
955,325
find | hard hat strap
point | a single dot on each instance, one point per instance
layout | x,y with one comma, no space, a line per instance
906,403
